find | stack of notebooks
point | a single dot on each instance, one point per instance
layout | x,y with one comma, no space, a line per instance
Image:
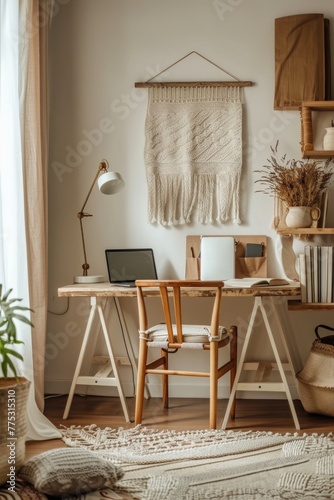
316,274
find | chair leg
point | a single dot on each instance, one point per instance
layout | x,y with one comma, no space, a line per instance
234,359
213,384
142,361
165,395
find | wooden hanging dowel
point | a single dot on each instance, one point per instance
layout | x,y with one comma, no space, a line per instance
193,84
236,83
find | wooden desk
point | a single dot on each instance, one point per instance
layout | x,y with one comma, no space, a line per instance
98,291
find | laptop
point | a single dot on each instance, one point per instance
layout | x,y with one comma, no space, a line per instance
217,258
126,265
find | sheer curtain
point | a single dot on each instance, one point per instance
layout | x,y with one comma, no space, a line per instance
23,192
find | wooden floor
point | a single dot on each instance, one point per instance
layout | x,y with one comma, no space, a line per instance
183,414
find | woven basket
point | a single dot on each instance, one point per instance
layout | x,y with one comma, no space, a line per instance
13,408
316,380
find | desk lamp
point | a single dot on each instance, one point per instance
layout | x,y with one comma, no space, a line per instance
109,183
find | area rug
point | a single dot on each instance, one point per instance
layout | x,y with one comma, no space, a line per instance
212,464
203,465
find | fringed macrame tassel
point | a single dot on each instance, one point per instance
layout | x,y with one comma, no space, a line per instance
172,199
206,188
228,187
175,197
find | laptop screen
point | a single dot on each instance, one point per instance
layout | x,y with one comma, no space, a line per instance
127,265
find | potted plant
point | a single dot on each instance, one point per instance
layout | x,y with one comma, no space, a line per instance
298,184
13,390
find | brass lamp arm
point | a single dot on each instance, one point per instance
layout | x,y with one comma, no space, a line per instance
103,166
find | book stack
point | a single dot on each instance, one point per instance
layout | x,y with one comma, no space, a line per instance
316,268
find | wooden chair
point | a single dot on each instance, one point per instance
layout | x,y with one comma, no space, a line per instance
173,336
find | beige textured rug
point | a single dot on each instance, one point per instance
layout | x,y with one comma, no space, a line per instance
198,465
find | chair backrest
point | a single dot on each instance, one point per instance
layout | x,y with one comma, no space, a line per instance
176,289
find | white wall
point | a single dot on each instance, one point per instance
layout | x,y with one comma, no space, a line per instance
98,50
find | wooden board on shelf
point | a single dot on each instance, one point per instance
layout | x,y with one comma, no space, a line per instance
302,70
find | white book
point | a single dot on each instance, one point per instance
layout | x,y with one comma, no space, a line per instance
309,274
315,253
302,277
323,273
330,275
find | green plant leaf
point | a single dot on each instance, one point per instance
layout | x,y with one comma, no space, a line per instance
8,363
11,352
10,313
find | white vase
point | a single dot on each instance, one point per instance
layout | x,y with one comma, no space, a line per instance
301,216
329,139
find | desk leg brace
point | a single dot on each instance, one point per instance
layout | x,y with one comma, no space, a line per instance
258,304
91,380
127,340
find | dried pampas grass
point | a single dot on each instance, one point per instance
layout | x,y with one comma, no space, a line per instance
298,183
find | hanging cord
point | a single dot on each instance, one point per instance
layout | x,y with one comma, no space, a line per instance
187,55
62,312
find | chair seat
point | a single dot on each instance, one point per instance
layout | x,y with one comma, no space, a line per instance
191,333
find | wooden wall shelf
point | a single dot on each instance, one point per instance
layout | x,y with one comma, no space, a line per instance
298,305
307,140
306,230
318,154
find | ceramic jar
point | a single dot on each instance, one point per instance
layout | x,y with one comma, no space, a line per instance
301,216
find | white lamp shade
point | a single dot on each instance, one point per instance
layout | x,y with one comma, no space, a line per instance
110,183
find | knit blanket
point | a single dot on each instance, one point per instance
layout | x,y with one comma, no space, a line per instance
193,154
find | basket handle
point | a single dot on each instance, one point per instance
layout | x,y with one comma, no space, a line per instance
322,326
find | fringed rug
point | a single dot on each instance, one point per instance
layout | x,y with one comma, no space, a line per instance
212,464
200,465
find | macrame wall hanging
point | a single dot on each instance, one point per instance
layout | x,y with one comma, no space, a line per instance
193,150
